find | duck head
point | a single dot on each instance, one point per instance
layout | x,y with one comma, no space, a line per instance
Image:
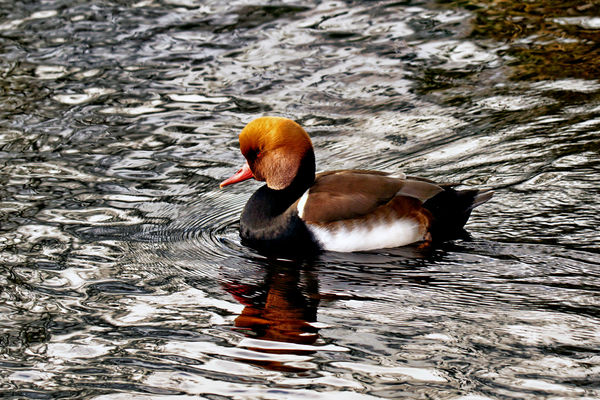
277,151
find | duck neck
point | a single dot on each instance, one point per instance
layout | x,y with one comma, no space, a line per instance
267,203
305,177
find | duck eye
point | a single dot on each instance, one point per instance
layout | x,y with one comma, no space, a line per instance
253,154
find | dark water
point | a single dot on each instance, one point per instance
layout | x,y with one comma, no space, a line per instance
122,275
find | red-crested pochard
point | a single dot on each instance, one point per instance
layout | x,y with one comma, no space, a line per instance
344,210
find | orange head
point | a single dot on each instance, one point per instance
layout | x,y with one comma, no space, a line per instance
274,148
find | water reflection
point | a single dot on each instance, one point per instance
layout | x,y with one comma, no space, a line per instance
281,297
282,312
282,308
546,39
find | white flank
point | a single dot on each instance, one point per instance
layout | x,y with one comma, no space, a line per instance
302,203
381,235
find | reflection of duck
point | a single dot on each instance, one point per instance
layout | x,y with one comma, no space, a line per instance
281,312
345,210
279,309
281,298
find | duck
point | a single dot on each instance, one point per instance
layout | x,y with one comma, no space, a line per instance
300,211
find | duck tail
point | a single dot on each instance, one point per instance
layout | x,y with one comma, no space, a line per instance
452,208
481,197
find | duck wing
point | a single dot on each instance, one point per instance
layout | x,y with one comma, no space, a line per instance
350,194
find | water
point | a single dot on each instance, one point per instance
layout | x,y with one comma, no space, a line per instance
122,273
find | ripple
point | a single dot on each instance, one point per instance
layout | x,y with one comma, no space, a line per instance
91,217
279,346
196,98
199,240
66,351
144,108
50,71
416,374
51,169
584,22
199,385
146,311
514,103
574,85
10,25
89,94
456,54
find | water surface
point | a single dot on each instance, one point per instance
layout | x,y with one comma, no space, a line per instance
122,272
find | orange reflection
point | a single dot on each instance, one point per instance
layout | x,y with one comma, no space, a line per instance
279,309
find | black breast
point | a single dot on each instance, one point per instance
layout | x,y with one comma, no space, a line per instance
270,223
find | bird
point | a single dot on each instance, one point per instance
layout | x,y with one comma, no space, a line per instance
300,211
